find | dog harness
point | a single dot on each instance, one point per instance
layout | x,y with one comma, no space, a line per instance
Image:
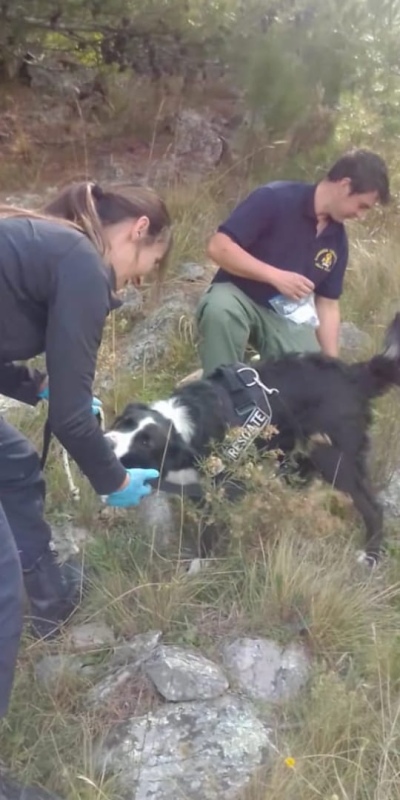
245,403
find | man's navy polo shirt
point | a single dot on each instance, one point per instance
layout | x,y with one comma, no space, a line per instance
277,224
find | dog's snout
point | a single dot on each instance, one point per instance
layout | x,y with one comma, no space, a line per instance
119,441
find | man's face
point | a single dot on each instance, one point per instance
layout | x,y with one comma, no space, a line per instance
350,205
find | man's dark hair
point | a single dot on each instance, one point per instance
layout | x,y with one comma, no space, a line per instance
367,172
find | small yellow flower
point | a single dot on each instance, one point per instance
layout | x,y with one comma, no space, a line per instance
290,762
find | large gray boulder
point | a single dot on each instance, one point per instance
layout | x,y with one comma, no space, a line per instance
200,750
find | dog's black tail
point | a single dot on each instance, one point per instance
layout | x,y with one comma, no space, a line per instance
383,370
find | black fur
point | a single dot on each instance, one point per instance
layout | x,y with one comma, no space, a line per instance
316,395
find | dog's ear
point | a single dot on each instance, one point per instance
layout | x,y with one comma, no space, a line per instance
128,413
130,408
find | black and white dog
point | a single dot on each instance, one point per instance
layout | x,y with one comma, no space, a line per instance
309,398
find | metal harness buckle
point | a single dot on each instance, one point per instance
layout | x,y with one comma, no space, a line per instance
256,380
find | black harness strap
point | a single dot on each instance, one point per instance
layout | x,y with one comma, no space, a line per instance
249,406
245,394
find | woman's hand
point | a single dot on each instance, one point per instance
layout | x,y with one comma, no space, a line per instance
97,405
133,489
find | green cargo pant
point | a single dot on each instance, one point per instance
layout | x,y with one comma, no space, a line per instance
228,321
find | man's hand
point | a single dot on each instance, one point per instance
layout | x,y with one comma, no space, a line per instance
291,285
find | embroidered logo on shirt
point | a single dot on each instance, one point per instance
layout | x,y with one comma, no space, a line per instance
325,259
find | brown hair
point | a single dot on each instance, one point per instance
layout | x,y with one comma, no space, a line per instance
87,207
367,172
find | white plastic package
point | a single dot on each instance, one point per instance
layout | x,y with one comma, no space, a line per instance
302,312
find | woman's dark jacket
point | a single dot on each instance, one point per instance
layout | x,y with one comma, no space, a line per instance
55,295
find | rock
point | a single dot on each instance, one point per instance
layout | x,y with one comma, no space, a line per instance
389,497
264,670
69,539
124,669
51,669
11,790
166,170
196,137
137,650
91,635
202,751
192,272
151,337
52,76
117,681
9,404
352,339
180,674
132,300
155,514
32,200
198,149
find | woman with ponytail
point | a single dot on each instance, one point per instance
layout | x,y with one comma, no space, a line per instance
60,270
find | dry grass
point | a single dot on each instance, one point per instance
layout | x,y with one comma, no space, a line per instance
292,585
348,747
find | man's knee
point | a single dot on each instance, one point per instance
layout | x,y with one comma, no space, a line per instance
220,308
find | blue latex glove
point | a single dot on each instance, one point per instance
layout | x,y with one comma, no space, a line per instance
44,394
132,494
97,405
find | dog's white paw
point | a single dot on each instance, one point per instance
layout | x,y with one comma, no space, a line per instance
197,565
364,558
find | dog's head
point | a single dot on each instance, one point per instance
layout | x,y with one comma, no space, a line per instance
141,437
